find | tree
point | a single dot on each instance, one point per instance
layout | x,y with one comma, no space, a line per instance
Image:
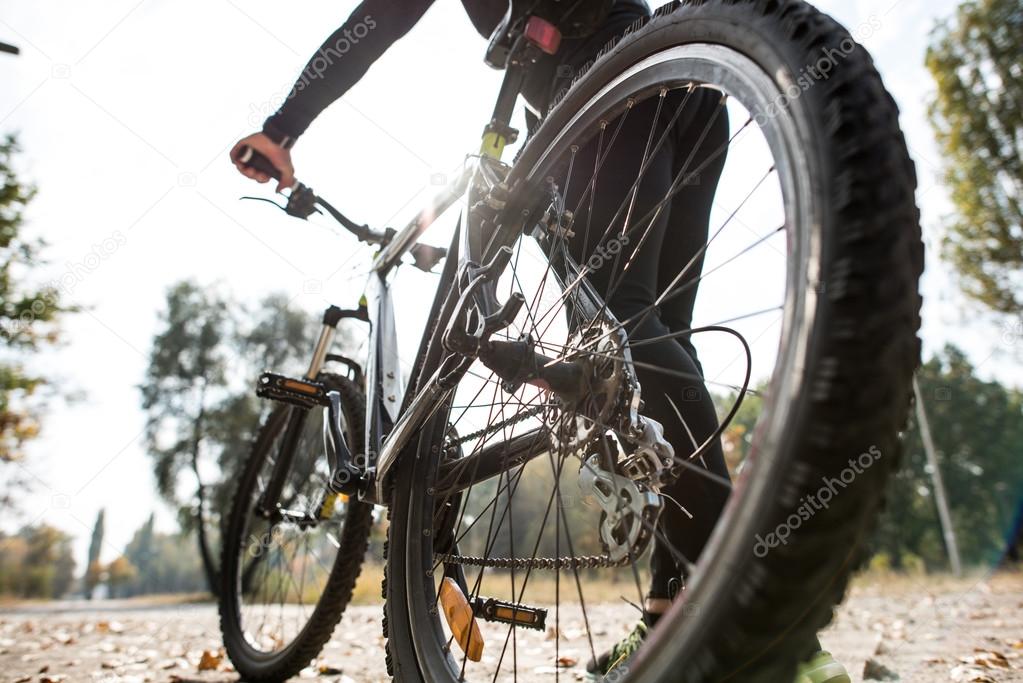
187,372
28,316
198,394
37,562
977,428
93,568
120,572
159,564
140,551
977,115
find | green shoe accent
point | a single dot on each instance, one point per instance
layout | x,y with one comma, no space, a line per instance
822,668
618,654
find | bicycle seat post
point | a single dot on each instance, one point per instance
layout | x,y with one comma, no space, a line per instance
538,37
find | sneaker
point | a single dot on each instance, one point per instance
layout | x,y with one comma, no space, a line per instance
597,669
822,668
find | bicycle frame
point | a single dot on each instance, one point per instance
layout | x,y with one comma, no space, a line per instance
388,410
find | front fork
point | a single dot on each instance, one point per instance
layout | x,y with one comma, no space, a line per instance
303,396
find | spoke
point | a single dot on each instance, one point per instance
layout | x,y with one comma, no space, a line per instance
691,330
571,552
682,176
701,251
585,270
630,194
525,580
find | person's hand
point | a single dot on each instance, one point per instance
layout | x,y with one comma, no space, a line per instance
280,157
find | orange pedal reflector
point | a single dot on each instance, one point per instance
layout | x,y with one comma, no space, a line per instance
303,387
461,619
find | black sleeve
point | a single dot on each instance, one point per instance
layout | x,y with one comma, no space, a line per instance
344,58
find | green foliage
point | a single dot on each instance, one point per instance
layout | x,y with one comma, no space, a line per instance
978,119
202,414
155,563
187,371
977,428
37,562
28,314
119,574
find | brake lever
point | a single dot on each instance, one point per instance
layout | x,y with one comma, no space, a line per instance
301,202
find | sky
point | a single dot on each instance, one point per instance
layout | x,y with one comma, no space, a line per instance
126,110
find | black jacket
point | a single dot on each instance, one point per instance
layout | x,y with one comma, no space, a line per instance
370,30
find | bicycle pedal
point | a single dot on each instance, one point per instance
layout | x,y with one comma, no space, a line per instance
492,609
300,392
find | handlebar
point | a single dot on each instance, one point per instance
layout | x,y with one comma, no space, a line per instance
258,161
303,202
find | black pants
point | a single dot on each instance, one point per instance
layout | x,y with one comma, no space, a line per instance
670,242
674,239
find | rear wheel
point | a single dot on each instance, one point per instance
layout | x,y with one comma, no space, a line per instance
286,582
809,288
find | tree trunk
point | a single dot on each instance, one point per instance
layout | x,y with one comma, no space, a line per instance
208,563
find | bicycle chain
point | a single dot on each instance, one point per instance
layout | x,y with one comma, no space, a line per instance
540,563
545,563
530,563
524,415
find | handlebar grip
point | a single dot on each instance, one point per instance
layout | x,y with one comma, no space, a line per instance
256,160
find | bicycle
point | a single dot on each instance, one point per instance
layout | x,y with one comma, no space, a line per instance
525,376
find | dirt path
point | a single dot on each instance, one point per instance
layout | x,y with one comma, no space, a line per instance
925,631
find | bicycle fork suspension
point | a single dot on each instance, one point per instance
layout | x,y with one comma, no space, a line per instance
304,395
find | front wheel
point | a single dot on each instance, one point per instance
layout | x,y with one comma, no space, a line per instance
801,303
287,580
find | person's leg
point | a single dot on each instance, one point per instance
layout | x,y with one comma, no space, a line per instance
631,281
700,139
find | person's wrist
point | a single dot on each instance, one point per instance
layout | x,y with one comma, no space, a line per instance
278,136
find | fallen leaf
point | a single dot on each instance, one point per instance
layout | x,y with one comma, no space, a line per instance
969,674
210,660
986,659
565,661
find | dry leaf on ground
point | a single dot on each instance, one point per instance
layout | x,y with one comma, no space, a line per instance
210,660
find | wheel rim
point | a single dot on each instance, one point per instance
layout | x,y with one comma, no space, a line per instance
284,566
743,81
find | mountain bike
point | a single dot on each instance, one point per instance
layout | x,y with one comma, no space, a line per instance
522,478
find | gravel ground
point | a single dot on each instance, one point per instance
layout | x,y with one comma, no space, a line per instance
924,631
